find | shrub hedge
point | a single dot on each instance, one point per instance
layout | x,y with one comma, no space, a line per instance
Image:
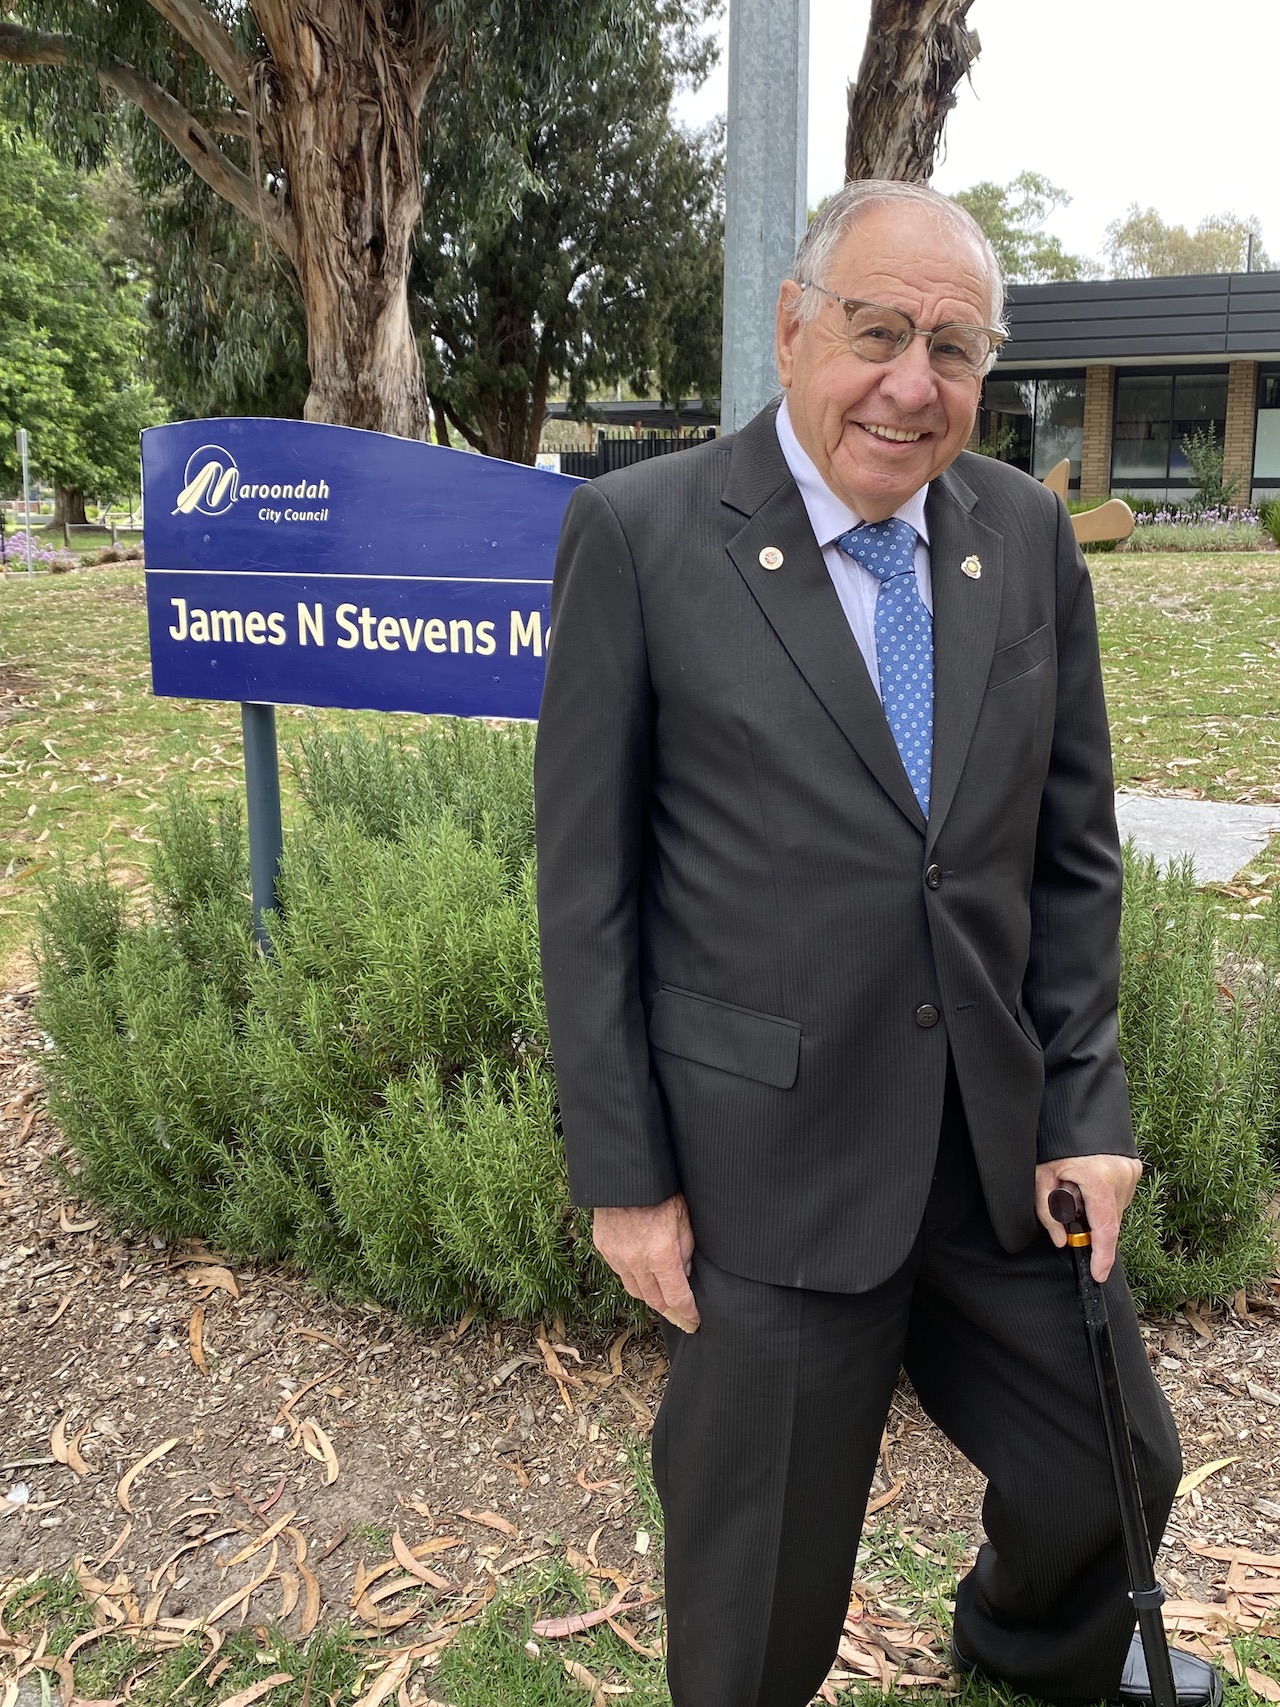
376,1104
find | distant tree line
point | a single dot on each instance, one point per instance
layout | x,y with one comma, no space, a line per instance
1140,245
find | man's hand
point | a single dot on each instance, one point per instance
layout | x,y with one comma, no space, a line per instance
650,1249
1107,1184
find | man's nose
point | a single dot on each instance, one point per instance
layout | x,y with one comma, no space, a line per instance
909,381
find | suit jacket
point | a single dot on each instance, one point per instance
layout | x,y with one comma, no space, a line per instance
756,952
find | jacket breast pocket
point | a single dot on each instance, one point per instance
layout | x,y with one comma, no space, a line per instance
1023,655
717,1034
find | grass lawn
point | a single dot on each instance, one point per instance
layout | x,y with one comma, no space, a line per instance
1191,650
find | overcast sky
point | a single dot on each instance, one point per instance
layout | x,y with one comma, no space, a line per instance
1169,103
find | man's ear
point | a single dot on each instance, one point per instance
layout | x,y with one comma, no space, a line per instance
786,329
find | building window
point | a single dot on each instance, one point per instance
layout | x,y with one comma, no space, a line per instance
1034,423
1154,413
1266,444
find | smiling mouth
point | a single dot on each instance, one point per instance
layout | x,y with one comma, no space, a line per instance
894,435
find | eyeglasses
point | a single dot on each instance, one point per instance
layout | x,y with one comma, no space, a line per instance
879,334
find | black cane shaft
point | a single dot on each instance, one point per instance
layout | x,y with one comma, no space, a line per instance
1133,1524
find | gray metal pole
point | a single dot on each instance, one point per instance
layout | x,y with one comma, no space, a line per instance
26,494
262,790
766,183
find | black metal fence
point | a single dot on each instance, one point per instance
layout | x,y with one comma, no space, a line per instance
619,450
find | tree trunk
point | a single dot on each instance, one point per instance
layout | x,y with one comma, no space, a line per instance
917,51
344,102
538,405
68,507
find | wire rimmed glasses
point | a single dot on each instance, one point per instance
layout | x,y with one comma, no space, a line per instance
879,334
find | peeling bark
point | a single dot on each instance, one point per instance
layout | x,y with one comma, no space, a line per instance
917,51
345,88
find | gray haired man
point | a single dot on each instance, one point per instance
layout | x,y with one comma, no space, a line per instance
830,888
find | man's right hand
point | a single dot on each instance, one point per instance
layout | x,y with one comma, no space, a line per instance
650,1249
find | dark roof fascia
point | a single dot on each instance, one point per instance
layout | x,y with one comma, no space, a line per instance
1197,317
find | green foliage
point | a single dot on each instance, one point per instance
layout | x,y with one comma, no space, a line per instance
376,1104
1202,1060
226,329
999,444
1143,246
1012,216
1269,516
70,333
1204,457
583,242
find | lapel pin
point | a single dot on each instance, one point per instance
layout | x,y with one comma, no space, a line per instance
771,558
971,567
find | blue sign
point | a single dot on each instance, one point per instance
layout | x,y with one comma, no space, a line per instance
294,563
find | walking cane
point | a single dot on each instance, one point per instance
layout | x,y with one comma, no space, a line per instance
1067,1208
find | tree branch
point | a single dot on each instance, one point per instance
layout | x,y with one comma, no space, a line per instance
191,139
230,122
211,40
455,420
34,47
197,147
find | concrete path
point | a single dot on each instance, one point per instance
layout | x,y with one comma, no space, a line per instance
1220,838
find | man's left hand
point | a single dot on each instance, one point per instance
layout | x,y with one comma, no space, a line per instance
1107,1184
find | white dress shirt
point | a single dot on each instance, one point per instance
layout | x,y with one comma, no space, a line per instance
829,517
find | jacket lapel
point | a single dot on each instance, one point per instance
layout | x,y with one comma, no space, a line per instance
802,606
966,615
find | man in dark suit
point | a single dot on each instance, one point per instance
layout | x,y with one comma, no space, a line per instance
829,889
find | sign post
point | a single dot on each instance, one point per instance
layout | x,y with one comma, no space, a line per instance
765,191
26,495
292,563
262,797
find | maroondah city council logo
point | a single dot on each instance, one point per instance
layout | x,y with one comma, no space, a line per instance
210,482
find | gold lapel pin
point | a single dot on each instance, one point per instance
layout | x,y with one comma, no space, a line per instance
771,558
972,568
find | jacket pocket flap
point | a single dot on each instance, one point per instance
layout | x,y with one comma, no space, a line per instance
1023,655
716,1034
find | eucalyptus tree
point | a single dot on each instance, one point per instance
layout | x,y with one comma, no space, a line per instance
306,117
915,56
588,249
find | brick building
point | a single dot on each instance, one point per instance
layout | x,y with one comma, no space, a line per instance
1115,373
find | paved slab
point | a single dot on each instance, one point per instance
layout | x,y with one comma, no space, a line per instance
1220,838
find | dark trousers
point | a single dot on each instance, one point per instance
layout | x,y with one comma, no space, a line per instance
766,1443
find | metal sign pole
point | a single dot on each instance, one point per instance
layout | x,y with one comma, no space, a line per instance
262,791
26,494
766,175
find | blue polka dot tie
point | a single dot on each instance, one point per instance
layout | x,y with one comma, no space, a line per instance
904,642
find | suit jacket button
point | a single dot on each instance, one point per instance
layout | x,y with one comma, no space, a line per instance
933,876
927,1014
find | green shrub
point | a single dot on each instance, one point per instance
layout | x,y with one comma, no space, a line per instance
375,1103
1201,1059
1205,464
1269,516
1191,536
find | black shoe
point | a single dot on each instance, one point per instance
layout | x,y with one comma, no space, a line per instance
1195,1680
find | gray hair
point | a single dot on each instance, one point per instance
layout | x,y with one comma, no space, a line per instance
843,211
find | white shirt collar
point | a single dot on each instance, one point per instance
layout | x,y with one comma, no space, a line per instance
830,516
